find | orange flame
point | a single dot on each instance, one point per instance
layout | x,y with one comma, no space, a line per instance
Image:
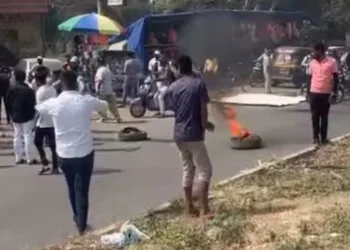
235,128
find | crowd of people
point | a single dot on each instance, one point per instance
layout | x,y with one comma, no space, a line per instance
57,110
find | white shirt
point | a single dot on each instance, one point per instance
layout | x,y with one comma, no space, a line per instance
71,112
104,75
44,93
152,63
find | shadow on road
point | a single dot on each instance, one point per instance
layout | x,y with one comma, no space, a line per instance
161,140
128,150
101,139
96,131
106,171
134,122
6,167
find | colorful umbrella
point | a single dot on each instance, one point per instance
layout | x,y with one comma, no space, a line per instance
92,23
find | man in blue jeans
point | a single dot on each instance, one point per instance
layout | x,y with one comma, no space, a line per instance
71,112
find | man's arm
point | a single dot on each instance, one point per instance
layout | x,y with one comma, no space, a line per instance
204,108
98,80
45,107
335,77
9,100
96,104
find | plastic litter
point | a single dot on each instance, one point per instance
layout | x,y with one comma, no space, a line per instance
127,235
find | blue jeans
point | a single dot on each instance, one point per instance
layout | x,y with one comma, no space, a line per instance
77,172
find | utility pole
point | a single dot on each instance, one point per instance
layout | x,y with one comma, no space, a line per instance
99,7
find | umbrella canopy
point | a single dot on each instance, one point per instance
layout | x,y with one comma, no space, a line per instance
92,23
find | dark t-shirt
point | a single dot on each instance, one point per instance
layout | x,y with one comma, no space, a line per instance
187,95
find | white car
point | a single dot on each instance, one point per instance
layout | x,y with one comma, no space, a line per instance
27,64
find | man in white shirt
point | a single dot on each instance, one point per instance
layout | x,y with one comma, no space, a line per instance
266,59
104,90
71,113
154,61
44,125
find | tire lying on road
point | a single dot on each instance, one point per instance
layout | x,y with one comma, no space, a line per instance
132,134
249,142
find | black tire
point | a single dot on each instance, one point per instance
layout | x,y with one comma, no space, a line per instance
137,110
249,142
132,134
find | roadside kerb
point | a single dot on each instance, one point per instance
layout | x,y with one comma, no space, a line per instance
167,205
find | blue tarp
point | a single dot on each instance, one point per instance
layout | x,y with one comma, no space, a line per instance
135,33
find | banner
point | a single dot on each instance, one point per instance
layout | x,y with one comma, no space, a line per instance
115,2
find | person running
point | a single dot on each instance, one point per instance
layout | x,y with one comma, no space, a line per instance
104,90
71,114
189,98
323,85
44,125
21,105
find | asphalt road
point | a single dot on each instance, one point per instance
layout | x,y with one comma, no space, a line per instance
129,178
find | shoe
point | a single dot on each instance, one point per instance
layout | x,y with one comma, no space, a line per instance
55,171
316,141
21,161
44,170
325,142
33,162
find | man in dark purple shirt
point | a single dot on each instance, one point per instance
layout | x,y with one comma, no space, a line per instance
189,98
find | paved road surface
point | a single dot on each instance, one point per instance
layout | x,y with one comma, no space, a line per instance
132,177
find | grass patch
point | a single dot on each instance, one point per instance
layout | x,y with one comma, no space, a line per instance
301,204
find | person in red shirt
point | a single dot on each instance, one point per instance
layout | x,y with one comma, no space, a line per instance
322,90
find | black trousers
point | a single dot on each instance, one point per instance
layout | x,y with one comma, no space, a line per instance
77,172
46,135
319,105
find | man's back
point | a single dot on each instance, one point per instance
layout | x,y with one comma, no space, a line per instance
71,113
21,101
187,95
44,93
104,75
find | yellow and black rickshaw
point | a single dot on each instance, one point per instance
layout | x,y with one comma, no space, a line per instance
287,65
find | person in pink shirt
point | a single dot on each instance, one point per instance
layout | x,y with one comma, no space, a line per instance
322,89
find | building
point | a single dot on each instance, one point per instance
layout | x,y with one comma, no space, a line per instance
21,23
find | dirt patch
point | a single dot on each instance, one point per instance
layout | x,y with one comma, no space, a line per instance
301,204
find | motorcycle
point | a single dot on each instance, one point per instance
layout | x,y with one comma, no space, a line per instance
256,78
145,100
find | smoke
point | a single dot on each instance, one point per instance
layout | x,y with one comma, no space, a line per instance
208,36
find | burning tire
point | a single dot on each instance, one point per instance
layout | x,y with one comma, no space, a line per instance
132,134
249,142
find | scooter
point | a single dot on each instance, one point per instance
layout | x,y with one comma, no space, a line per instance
257,77
146,101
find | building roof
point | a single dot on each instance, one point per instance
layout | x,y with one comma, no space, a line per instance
24,6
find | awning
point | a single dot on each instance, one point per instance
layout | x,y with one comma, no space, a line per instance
120,46
24,6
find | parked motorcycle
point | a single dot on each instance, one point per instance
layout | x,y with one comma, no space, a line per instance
256,78
146,101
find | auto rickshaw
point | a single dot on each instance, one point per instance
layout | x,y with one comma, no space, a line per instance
287,65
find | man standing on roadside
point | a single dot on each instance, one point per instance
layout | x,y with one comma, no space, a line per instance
189,98
21,106
104,89
71,114
44,125
132,70
323,88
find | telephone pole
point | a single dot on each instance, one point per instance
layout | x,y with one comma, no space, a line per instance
99,7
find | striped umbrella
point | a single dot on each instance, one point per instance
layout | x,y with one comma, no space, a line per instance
91,23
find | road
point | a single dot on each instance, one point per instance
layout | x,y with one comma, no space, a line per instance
129,178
